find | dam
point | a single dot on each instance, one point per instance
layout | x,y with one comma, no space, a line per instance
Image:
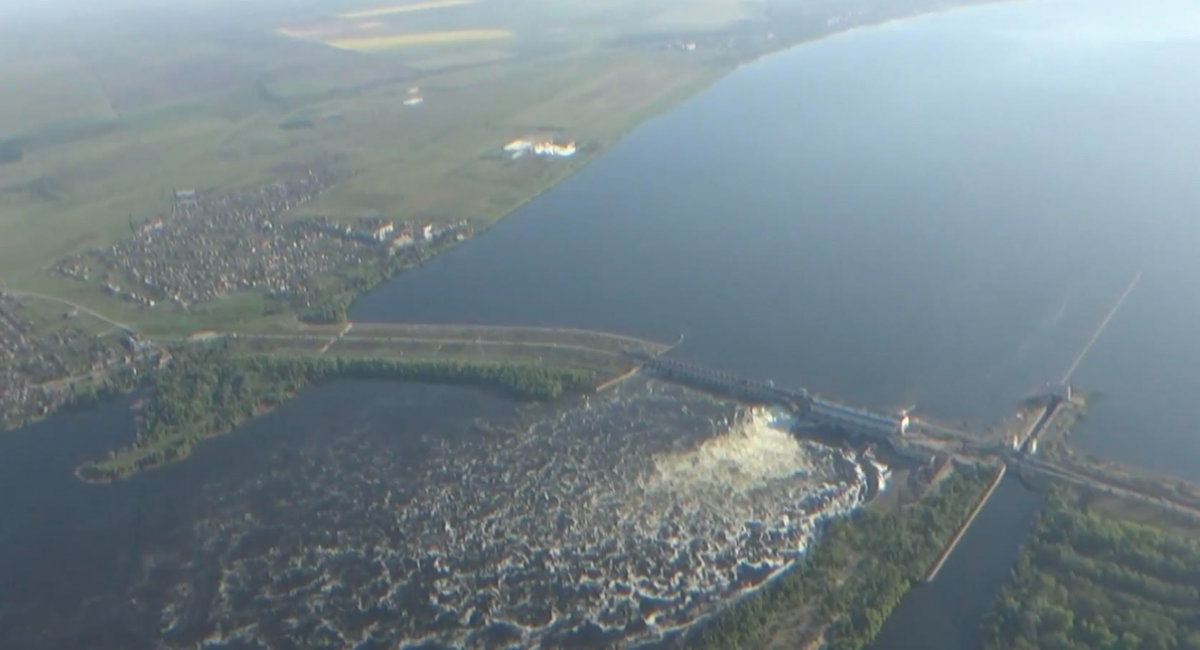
854,421
895,429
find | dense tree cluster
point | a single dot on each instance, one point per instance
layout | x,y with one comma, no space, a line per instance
327,311
206,390
329,303
1085,581
857,573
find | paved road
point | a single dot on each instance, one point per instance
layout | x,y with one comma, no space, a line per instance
369,327
437,340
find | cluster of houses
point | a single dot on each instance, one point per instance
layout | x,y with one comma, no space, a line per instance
32,365
392,237
212,245
14,330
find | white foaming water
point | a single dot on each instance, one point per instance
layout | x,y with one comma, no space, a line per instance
634,505
748,456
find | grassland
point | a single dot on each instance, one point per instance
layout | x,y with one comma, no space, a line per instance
369,43
405,8
109,115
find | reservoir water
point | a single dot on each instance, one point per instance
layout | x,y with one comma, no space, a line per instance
937,212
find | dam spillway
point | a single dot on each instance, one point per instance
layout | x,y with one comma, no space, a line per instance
852,420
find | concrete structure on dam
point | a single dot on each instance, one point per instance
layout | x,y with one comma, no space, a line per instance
854,421
893,429
857,421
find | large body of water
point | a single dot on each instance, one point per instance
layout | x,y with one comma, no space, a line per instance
935,212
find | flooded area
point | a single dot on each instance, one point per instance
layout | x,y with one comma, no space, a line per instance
437,517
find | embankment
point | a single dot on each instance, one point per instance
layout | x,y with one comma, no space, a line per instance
941,558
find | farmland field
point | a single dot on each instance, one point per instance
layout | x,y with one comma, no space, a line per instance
419,38
405,8
103,119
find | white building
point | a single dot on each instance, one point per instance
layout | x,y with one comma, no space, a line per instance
857,421
518,146
381,233
521,146
403,240
552,149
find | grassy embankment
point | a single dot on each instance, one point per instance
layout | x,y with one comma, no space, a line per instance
1089,577
846,587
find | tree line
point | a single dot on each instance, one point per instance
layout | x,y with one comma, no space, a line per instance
1086,581
207,390
855,575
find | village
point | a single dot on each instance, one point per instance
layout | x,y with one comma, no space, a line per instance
40,367
214,244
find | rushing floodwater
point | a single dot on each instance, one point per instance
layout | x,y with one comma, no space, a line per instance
938,212
376,515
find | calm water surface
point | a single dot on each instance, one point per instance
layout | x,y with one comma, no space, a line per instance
938,212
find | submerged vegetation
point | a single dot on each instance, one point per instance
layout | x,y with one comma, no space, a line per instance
208,390
854,577
1087,581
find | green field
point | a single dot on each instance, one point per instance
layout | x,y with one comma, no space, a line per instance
111,117
104,117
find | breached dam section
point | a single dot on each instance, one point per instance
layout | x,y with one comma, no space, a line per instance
606,521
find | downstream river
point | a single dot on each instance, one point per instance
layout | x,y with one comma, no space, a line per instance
935,213
938,212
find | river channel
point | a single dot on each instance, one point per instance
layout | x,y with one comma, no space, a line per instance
936,213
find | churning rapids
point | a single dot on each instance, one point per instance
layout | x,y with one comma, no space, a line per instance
607,522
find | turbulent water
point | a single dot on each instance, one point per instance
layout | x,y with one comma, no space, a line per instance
614,520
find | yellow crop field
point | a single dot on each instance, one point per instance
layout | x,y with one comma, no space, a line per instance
420,38
399,9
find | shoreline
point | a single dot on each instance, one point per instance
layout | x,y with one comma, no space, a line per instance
718,71
164,439
666,105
